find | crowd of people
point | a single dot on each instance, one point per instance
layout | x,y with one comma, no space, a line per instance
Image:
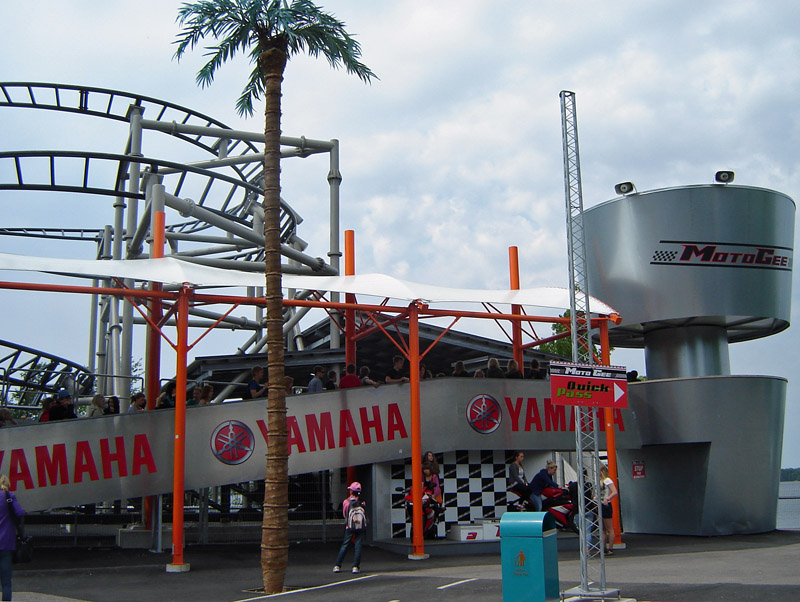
61,406
322,380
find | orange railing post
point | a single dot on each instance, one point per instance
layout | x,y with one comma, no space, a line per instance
516,326
417,540
153,367
350,314
179,447
611,436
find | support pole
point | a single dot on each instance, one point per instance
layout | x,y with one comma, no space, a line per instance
350,314
417,540
516,325
179,448
611,436
153,372
334,183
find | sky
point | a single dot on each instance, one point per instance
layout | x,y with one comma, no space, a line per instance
454,153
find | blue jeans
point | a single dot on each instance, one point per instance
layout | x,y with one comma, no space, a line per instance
537,502
349,535
5,572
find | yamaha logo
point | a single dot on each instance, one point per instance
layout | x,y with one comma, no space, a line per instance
484,414
232,442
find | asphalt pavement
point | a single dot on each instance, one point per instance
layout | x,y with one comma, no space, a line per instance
652,568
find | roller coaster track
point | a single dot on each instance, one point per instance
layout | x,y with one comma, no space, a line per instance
38,373
61,172
116,105
113,104
218,199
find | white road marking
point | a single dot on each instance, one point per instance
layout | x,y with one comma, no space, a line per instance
307,589
456,583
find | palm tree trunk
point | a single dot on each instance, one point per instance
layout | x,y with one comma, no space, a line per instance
275,527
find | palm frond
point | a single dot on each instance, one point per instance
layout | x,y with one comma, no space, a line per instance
257,25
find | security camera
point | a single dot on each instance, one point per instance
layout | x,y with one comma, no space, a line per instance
724,177
624,188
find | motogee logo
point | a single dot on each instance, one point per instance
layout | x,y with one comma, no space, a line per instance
232,442
728,255
484,414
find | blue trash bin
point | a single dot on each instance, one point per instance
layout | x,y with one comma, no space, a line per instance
529,557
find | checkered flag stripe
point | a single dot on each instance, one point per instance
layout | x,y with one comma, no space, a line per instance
473,486
664,256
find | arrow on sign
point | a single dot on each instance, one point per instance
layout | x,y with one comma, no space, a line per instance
618,392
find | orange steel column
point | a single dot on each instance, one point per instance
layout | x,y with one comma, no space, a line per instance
516,326
611,436
153,336
179,461
153,368
417,541
350,316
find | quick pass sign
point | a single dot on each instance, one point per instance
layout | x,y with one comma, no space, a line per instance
589,385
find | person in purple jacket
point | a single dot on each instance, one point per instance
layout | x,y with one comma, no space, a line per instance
8,534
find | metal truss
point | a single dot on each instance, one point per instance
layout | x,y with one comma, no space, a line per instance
593,579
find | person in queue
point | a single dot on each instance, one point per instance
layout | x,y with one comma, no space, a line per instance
97,407
47,403
330,381
255,388
512,370
460,371
350,380
363,374
112,405
493,369
62,409
396,375
10,513
317,383
138,403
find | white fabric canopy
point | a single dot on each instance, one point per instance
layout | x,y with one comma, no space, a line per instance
170,270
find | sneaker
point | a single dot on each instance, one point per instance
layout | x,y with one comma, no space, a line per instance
337,569
356,569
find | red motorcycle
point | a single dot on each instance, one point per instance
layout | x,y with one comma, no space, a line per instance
561,506
559,502
432,512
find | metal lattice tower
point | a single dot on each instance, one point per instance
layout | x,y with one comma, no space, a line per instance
593,580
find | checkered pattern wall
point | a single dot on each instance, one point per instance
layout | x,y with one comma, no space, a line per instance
473,484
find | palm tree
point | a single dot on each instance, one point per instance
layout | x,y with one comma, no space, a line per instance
270,31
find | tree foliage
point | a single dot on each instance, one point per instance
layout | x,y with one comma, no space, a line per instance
563,346
254,26
790,474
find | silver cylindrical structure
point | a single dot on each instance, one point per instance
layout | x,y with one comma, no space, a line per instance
709,255
686,351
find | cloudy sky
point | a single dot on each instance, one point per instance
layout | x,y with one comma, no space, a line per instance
454,154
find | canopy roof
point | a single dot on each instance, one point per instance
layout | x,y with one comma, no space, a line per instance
170,270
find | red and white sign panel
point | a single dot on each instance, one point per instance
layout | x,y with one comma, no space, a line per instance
638,469
589,385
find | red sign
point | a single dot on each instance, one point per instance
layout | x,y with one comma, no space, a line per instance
589,385
638,469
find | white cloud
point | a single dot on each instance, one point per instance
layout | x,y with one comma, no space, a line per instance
455,153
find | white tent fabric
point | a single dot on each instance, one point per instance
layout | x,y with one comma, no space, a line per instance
170,270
